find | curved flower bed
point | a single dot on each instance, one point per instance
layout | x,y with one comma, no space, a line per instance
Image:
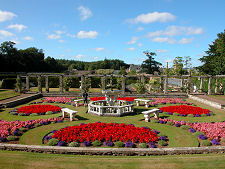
8,128
38,109
185,110
106,132
129,99
58,99
156,101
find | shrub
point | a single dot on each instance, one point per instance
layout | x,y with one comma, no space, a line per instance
96,143
119,144
23,129
162,143
190,115
206,143
197,133
12,138
143,145
185,127
154,121
74,144
53,142
176,114
34,114
8,83
170,123
203,115
21,114
49,112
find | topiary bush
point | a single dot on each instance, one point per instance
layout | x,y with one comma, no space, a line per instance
74,144
119,144
185,127
162,143
12,138
206,143
53,142
96,143
197,133
49,112
143,145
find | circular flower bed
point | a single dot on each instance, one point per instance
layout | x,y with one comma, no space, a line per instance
128,99
106,133
184,110
37,109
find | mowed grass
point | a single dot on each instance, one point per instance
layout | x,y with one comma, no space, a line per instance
5,94
24,160
218,97
71,90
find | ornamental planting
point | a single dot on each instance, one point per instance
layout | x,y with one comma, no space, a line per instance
39,109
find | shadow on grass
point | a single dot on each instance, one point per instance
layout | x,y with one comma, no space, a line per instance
81,118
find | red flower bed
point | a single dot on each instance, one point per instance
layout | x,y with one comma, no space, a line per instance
97,98
185,110
38,109
105,132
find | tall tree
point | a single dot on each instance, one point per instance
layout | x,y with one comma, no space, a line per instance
150,64
214,61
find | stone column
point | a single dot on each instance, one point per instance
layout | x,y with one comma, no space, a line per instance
39,84
201,83
103,83
123,84
142,79
27,82
189,84
82,83
61,83
46,84
216,86
166,85
182,82
209,85
161,83
19,84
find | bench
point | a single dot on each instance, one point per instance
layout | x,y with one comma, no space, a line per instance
142,100
69,111
149,112
76,102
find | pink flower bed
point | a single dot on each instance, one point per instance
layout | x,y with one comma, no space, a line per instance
156,101
58,99
8,127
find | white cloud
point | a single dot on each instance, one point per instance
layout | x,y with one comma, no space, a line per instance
71,35
161,51
96,58
54,36
29,38
176,30
133,40
61,41
99,49
164,39
185,40
80,56
90,34
153,17
59,32
140,28
131,49
18,27
85,12
140,44
4,16
6,33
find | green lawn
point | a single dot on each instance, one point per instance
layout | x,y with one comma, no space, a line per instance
23,160
219,97
5,94
71,90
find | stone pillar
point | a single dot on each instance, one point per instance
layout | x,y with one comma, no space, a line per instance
27,82
216,86
123,84
182,83
19,84
166,85
82,83
209,85
103,83
39,84
161,83
46,84
61,83
201,83
142,79
189,84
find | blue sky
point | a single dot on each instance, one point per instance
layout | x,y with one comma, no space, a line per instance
91,30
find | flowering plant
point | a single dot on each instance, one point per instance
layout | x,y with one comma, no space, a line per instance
38,109
106,132
58,99
184,110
